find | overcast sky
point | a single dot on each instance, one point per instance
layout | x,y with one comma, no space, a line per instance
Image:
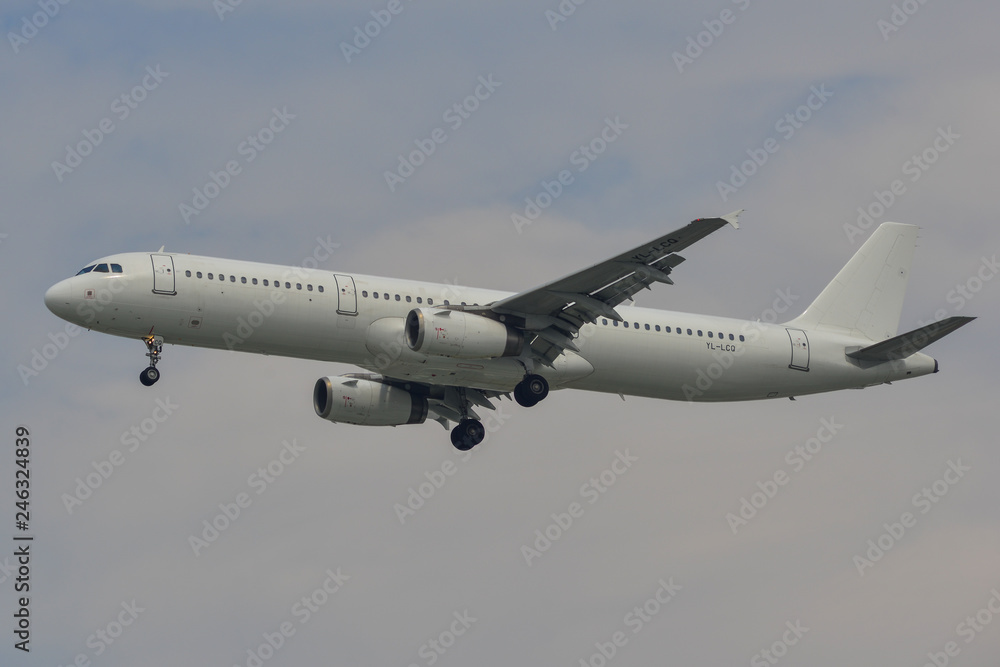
887,108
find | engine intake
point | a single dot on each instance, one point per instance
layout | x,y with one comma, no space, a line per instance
452,333
368,402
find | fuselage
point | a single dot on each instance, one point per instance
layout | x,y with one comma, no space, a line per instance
358,319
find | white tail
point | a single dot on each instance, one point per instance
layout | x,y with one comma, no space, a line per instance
866,297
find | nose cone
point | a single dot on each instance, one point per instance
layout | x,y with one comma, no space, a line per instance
58,299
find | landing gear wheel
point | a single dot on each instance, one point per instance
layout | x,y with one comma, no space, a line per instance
467,434
149,376
531,390
521,399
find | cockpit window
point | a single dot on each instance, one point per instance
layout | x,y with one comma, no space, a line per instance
101,268
116,268
86,269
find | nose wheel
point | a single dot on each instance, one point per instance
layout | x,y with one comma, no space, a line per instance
154,347
149,376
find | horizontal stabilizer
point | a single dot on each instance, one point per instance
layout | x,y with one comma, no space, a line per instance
904,345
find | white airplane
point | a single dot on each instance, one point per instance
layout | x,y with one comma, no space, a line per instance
443,351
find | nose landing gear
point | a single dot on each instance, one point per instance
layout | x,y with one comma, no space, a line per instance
154,345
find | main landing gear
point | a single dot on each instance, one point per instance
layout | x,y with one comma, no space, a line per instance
467,434
155,346
531,390
470,431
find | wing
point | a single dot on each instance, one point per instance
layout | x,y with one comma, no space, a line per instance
554,312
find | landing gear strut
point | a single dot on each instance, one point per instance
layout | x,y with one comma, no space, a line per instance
531,390
155,346
467,434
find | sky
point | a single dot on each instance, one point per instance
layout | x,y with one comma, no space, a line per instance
228,525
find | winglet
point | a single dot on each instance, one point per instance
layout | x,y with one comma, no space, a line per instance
732,218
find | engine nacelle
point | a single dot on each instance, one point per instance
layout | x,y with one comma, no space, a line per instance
368,402
452,333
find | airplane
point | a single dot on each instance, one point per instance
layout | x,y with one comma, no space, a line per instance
442,351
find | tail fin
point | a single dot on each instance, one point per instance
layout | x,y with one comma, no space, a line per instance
866,297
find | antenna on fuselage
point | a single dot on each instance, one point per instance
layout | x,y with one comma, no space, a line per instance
161,248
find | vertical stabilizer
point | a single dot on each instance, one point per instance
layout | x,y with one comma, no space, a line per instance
866,297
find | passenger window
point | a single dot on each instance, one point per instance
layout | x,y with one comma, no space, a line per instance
721,336
320,288
265,282
101,268
604,322
657,327
243,280
374,295
187,273
198,274
298,286
420,299
232,279
730,336
446,302
614,322
430,301
710,334
253,280
364,293
667,329
221,277
117,268
309,288
699,332
288,285
397,297
408,298
86,269
741,338
689,332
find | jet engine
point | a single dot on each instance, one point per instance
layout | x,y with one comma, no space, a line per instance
365,400
452,333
